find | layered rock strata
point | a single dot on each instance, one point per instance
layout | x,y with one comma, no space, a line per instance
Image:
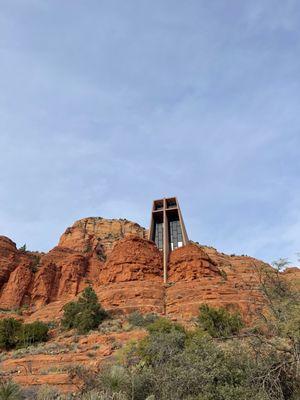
197,277
126,272
98,234
131,278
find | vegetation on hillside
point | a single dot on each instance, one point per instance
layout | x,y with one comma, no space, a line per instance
219,322
10,391
15,334
84,314
220,359
141,320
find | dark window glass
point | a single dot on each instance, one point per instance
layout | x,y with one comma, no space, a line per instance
159,235
175,234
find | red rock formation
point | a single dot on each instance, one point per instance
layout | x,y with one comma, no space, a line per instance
196,277
292,275
59,276
39,279
16,290
191,262
10,258
15,274
98,234
131,278
126,271
132,259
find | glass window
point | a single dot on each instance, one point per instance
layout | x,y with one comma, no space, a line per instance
175,234
159,235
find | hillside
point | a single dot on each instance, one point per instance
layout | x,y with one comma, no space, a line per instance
125,270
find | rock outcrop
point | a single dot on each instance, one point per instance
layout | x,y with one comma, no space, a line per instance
37,279
132,259
126,272
198,274
292,275
131,278
15,274
10,258
191,263
16,290
59,276
98,234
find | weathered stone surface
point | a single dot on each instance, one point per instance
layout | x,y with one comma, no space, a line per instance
126,297
98,234
16,290
132,259
191,263
126,272
15,274
131,278
292,275
10,258
198,274
59,276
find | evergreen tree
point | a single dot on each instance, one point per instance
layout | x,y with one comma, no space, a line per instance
85,314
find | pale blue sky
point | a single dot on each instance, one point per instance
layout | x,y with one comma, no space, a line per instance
106,105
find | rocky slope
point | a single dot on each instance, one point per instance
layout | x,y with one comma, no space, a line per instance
125,270
50,363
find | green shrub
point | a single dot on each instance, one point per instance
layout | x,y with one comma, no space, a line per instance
136,319
9,331
218,322
173,364
84,314
70,312
161,346
163,325
177,365
47,393
14,333
114,379
9,391
140,320
111,325
102,395
32,333
150,318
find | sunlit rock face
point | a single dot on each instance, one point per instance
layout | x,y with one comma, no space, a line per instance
98,234
199,274
126,271
131,278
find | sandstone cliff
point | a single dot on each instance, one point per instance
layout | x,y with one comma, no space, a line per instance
34,279
98,234
125,270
